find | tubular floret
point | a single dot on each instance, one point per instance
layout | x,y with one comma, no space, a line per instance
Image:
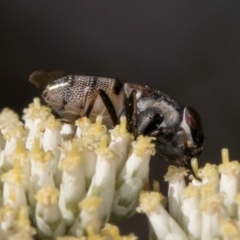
163,225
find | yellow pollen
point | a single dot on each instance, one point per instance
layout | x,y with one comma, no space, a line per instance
90,203
47,195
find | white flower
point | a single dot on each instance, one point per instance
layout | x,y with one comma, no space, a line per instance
212,210
13,188
163,224
8,215
105,170
230,182
51,138
176,183
43,156
132,179
72,188
192,214
11,134
121,143
89,216
48,216
229,229
14,224
41,172
33,116
103,181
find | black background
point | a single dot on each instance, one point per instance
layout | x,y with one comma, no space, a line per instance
187,49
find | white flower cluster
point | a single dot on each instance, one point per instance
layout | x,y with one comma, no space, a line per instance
206,210
61,180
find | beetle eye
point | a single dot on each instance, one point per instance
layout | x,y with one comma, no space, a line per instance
193,119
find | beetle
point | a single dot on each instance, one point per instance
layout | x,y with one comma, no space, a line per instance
177,129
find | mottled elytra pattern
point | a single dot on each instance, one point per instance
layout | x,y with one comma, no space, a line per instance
57,92
84,88
70,96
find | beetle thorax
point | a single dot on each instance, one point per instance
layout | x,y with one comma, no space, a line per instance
169,113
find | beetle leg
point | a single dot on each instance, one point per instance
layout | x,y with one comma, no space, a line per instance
163,131
108,104
131,112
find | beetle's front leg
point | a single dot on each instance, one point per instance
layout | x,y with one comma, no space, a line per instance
164,131
131,112
149,121
108,104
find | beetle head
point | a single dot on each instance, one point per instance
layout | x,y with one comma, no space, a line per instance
192,127
181,143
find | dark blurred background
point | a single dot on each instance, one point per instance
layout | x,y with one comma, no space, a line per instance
187,49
